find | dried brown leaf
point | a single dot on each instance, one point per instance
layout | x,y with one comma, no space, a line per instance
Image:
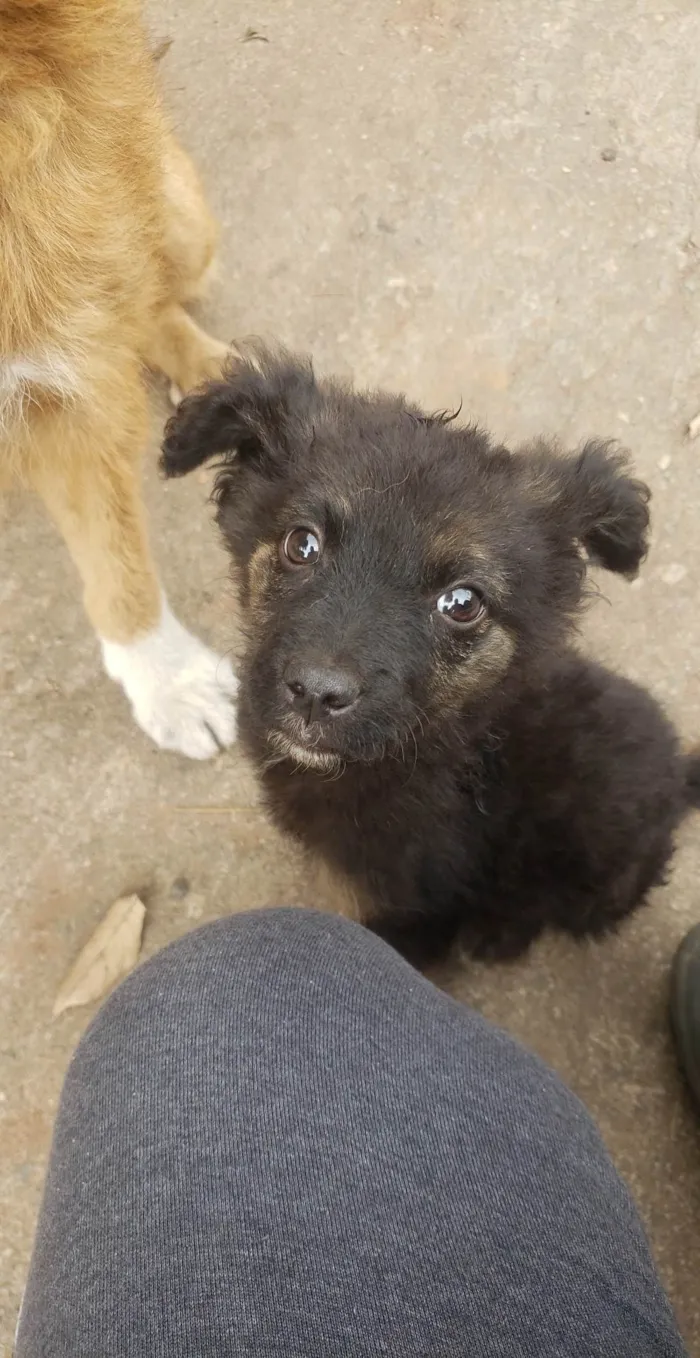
112,951
160,51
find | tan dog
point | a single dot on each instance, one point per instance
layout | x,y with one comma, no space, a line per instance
104,234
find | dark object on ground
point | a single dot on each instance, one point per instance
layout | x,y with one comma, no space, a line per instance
278,1139
409,692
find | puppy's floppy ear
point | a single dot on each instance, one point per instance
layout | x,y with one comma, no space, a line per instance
252,413
611,507
203,425
603,506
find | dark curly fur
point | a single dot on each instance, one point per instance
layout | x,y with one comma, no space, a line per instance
482,781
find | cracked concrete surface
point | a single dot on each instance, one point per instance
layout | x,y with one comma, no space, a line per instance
491,202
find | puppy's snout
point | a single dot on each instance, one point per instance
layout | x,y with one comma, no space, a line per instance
318,692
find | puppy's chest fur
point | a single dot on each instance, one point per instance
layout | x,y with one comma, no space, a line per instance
390,835
563,816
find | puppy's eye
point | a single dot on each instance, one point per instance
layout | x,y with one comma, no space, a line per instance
461,605
301,547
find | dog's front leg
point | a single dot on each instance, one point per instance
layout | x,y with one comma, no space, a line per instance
87,470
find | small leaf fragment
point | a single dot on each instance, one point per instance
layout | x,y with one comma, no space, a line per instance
160,51
111,952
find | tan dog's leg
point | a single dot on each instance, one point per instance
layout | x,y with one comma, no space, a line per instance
179,690
191,233
184,352
179,347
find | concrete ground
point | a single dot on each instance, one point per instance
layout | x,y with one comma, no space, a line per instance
480,200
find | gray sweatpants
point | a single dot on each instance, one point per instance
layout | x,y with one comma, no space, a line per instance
277,1139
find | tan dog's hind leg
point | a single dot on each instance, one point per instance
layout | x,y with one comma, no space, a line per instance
184,352
179,690
179,347
190,232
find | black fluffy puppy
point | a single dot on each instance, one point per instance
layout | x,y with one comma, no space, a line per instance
408,692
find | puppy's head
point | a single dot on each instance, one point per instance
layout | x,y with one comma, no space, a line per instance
397,571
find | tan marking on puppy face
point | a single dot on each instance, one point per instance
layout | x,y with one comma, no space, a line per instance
455,683
453,542
259,573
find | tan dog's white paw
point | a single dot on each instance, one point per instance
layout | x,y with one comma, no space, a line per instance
180,691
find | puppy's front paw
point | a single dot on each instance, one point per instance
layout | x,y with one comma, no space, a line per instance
180,692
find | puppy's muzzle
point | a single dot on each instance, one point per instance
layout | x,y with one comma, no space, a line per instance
320,692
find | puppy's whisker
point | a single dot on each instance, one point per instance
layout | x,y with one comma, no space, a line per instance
420,715
415,752
335,777
382,490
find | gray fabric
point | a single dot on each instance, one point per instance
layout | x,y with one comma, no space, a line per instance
278,1139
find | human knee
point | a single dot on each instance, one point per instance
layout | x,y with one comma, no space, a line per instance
211,962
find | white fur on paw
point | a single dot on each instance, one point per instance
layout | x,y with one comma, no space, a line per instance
174,394
180,692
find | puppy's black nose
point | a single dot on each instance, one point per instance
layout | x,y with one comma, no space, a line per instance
320,691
